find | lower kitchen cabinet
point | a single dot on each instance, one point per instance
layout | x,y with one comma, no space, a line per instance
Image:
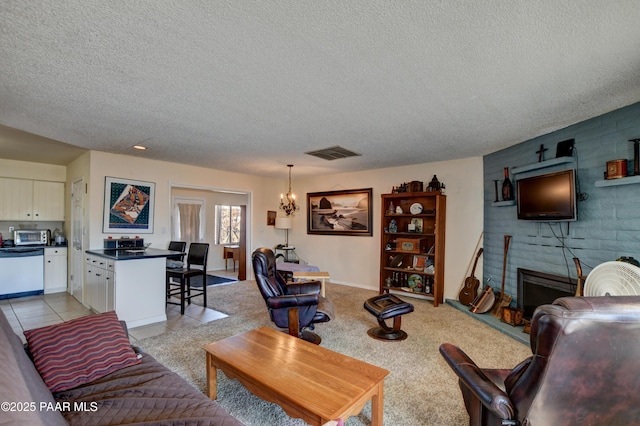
134,288
100,283
55,270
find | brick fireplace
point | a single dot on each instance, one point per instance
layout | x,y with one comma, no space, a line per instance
539,288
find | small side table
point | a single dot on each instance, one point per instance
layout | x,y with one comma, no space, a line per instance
288,254
233,253
314,276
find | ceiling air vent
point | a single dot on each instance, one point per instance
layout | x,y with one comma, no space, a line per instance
333,153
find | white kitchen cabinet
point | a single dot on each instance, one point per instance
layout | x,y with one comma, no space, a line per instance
55,269
89,282
31,200
134,288
100,283
16,199
48,200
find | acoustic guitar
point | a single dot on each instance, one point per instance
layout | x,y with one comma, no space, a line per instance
470,289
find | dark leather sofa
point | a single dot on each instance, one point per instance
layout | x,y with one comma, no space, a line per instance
584,369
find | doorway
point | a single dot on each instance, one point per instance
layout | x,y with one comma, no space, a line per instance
77,244
212,197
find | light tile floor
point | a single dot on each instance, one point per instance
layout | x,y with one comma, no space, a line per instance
25,313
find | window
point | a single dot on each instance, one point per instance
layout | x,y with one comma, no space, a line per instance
228,224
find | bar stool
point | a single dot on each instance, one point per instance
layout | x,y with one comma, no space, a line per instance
197,256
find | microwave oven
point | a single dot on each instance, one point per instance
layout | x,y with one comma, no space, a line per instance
30,237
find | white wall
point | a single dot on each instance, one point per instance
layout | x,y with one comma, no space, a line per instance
355,260
350,260
34,171
263,194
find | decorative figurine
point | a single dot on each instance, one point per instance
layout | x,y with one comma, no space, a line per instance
434,185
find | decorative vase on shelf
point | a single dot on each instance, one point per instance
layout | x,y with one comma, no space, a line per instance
507,186
495,188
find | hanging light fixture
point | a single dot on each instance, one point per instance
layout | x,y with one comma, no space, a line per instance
289,204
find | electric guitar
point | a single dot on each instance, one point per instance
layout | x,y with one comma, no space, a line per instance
471,284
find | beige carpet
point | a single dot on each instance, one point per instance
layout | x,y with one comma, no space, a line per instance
420,390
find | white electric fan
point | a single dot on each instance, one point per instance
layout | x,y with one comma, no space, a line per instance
613,279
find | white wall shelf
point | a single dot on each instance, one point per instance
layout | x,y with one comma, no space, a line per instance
504,203
620,181
542,165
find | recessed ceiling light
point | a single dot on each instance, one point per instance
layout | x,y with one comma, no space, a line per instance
140,147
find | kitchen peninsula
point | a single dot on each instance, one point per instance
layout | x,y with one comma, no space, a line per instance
131,282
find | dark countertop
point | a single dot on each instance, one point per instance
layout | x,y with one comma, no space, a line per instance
34,246
133,254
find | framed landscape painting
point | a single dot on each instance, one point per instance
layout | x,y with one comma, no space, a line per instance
128,206
340,212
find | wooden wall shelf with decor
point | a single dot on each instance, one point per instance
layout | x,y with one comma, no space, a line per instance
412,244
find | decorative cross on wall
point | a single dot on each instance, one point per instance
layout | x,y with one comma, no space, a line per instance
540,153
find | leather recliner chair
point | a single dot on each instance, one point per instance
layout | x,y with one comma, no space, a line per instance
293,306
585,368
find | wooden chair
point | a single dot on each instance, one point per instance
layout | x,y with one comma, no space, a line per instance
178,281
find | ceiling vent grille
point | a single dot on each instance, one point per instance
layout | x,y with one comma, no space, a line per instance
333,153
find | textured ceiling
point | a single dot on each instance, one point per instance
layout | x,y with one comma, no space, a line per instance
258,83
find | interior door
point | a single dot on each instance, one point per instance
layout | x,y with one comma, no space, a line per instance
77,226
242,268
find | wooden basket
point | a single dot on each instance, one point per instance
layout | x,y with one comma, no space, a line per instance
512,316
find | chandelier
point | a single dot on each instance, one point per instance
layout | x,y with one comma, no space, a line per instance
290,206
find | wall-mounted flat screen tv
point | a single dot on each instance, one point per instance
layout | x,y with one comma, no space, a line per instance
548,197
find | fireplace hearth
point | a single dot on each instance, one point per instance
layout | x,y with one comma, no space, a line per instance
539,288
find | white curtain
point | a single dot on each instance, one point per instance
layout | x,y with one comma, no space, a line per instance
189,222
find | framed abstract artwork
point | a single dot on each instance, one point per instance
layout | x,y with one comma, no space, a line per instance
128,206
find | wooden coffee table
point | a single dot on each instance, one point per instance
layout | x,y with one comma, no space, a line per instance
308,381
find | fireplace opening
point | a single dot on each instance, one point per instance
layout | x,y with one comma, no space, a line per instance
539,288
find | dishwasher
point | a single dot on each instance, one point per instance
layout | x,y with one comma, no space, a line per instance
21,271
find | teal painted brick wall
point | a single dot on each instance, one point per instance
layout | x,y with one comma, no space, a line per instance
608,224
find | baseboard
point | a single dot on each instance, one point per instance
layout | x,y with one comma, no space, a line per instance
493,322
